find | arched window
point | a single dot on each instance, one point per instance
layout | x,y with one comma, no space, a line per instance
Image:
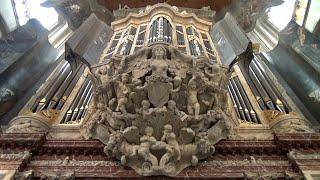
160,31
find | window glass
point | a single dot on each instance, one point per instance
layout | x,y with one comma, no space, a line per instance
313,15
281,15
28,9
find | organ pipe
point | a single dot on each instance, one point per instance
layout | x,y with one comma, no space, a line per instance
160,31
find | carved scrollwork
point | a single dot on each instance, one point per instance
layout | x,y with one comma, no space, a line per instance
39,122
281,122
158,110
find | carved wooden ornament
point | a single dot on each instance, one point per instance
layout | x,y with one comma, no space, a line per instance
157,121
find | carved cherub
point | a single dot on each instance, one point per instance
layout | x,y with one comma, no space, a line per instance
218,76
97,116
172,107
172,148
145,110
123,92
106,81
217,81
193,103
176,84
113,119
147,141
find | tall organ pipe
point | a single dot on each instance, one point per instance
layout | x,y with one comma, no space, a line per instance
73,106
56,75
70,87
44,102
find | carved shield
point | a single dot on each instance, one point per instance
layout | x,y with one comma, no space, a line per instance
158,93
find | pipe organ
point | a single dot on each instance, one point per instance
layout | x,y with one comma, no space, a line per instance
194,42
250,92
160,31
158,91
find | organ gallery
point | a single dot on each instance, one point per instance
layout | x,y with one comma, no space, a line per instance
166,89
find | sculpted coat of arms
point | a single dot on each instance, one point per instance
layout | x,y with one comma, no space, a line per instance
158,111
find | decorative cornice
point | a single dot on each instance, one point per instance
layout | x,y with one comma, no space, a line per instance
38,143
21,140
297,141
159,9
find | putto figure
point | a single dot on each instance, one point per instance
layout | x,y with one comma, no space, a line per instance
123,92
159,118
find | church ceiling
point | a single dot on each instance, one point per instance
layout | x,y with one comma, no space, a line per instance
216,5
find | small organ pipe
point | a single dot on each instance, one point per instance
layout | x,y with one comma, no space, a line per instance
240,104
75,101
87,106
246,111
83,105
81,99
264,82
245,98
234,103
